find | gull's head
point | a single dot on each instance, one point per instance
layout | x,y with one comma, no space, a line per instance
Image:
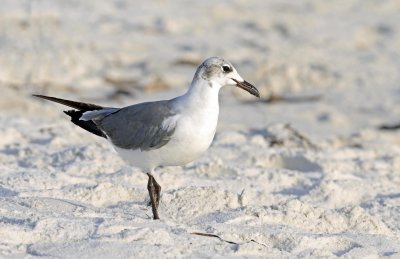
218,72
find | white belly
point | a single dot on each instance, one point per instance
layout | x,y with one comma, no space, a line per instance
192,137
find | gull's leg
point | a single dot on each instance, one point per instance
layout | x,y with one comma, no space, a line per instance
158,192
154,192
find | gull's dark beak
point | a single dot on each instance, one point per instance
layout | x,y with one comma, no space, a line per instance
248,87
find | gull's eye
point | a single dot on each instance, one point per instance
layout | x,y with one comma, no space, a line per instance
226,68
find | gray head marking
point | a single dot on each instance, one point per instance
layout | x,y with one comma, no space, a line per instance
216,73
213,67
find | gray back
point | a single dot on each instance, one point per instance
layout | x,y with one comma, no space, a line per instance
139,126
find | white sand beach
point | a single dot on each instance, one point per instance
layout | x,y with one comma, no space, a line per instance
305,172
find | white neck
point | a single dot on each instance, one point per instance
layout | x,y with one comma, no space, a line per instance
202,95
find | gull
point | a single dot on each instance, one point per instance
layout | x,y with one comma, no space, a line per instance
162,133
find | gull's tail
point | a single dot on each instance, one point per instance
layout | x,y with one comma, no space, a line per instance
76,115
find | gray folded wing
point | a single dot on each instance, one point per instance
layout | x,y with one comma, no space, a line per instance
142,126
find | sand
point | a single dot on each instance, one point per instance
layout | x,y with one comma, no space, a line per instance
307,173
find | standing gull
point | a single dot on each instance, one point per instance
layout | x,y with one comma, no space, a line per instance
162,133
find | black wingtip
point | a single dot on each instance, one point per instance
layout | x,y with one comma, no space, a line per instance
86,125
73,104
77,114
42,96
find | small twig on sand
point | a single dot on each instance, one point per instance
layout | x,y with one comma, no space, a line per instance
301,137
273,98
390,127
294,99
252,240
223,240
212,235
